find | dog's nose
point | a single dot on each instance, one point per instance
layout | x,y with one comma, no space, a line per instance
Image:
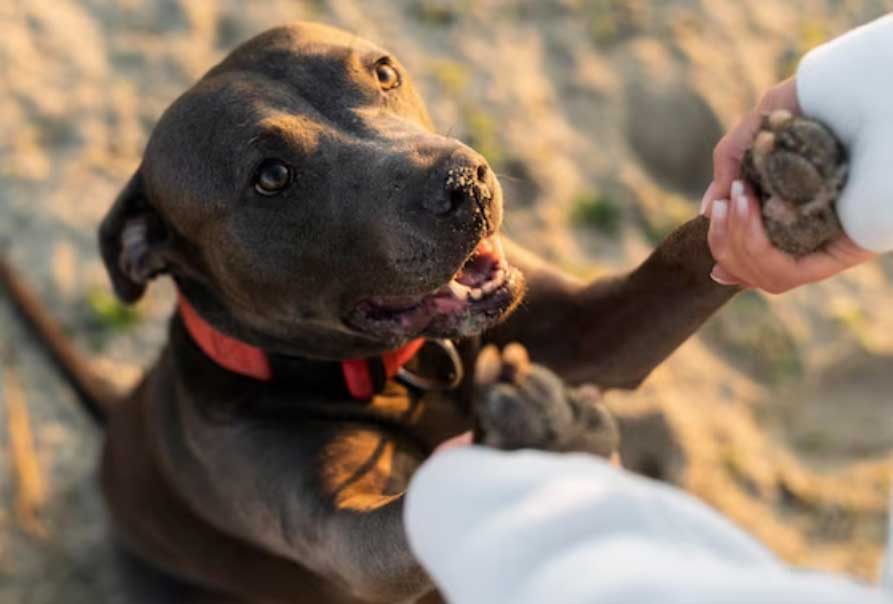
467,180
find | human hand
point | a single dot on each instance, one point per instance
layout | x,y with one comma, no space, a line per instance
737,237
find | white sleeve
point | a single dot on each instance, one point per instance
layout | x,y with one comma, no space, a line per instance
532,527
848,84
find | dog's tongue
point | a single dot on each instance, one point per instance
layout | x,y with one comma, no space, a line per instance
447,304
487,255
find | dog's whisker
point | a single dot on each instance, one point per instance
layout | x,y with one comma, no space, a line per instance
513,178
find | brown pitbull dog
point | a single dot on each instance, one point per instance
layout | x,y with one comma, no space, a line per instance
319,230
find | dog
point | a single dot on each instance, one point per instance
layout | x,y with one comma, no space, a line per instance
339,266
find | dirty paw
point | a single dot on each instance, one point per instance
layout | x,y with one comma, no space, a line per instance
521,405
797,168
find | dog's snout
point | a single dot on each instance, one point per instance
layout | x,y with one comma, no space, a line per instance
467,179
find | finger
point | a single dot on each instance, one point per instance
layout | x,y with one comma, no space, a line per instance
781,96
848,252
740,263
739,223
758,262
756,241
764,266
735,261
717,235
838,256
784,272
730,151
708,199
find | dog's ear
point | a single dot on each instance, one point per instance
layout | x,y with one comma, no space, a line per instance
131,240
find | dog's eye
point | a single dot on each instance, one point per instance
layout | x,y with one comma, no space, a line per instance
387,75
272,177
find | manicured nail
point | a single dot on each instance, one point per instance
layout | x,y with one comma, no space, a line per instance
705,201
720,211
742,207
718,275
737,188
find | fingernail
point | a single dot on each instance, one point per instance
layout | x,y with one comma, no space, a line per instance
705,201
720,210
742,206
717,274
737,188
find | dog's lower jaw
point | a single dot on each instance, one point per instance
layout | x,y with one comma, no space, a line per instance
480,293
441,316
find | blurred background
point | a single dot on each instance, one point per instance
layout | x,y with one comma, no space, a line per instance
600,116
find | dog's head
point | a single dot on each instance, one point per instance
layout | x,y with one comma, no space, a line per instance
303,202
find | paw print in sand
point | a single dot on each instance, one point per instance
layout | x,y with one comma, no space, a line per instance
521,405
797,167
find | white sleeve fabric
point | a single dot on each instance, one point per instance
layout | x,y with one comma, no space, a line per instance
532,527
848,84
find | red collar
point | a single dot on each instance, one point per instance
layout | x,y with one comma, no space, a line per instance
251,361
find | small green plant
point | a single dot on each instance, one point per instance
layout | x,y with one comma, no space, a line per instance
108,312
598,211
612,21
439,13
851,319
809,35
451,76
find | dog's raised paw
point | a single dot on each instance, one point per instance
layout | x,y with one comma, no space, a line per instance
521,405
797,167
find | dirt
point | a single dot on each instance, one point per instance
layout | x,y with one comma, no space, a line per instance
600,117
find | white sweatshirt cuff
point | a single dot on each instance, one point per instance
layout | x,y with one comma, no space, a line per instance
848,84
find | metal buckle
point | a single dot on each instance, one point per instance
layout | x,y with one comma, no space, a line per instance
423,383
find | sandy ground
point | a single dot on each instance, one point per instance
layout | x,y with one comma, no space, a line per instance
599,114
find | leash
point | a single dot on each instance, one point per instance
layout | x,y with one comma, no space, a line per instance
363,378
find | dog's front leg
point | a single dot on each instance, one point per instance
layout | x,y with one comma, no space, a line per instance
371,553
326,495
614,331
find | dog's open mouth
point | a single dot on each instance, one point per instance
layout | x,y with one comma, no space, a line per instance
484,289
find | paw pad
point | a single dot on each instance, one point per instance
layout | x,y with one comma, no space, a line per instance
521,405
797,168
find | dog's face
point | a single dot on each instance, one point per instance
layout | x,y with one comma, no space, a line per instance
299,185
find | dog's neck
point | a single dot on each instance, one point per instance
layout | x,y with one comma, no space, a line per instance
362,377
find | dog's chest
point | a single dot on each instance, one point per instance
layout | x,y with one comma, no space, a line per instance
430,417
433,415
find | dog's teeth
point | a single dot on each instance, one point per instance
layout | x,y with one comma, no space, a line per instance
495,283
458,290
476,294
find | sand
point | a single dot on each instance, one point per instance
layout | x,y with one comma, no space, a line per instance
599,114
